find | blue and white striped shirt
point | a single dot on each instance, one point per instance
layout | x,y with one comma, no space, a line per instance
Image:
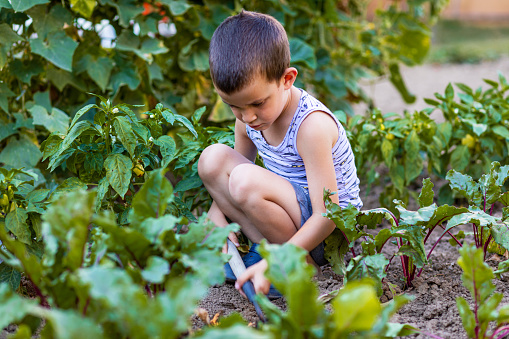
285,160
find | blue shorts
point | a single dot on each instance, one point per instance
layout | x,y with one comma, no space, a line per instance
306,210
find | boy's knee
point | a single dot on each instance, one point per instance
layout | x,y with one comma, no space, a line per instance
211,160
242,185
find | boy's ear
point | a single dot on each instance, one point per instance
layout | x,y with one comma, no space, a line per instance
289,77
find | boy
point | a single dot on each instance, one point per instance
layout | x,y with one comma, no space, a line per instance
302,144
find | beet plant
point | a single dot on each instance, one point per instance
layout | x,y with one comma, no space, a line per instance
477,278
105,280
482,196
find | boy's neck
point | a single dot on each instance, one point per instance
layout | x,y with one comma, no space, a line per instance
275,134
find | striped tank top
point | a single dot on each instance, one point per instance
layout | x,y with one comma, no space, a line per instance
285,160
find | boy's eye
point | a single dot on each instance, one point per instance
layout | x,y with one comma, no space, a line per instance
258,104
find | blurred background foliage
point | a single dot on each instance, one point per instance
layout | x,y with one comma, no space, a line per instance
54,53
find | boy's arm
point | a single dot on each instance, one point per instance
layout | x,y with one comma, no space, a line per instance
243,144
315,140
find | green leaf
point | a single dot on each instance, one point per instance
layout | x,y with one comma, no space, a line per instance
500,233
58,121
387,152
235,331
155,271
188,183
288,271
24,71
125,133
193,57
460,157
23,5
68,324
99,69
10,276
83,7
336,246
16,222
153,197
69,185
73,132
127,10
119,172
20,153
467,316
80,113
477,275
66,223
61,78
372,266
5,93
177,7
356,308
426,196
184,121
168,148
102,189
13,308
501,130
58,49
54,21
301,52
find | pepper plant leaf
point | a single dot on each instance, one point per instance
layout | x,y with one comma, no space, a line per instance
16,222
119,172
10,276
125,133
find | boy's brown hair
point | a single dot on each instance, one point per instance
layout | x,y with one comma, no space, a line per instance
246,45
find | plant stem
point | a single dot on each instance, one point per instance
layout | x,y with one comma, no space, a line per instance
474,227
86,307
486,246
449,232
149,292
503,328
491,209
476,308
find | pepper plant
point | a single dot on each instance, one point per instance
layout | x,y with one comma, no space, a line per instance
21,207
114,151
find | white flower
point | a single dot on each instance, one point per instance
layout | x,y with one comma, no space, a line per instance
115,110
151,139
152,116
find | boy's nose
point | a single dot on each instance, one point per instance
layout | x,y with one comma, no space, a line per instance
248,117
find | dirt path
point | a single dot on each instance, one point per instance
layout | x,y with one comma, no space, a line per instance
423,81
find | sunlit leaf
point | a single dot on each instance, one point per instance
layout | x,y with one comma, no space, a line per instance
119,172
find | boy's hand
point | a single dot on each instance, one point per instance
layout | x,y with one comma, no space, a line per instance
256,274
233,237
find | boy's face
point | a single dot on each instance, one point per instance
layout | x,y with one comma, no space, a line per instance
261,102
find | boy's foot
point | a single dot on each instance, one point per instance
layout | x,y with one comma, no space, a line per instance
251,258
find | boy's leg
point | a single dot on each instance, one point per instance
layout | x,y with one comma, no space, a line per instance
263,203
